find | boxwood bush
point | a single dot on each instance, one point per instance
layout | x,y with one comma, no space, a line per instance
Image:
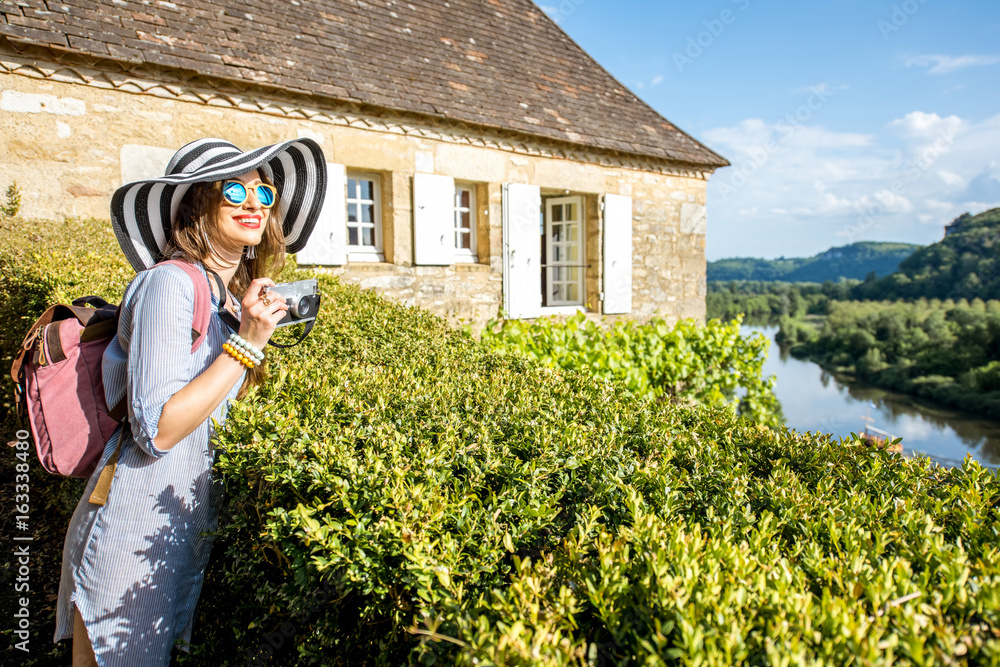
399,493
694,363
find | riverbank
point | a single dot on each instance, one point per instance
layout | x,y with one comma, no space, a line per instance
939,391
817,399
944,351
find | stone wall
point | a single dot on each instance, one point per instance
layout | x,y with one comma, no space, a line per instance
71,140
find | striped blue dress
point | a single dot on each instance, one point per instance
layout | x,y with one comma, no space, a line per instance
134,567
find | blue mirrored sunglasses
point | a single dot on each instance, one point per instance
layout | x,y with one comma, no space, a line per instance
235,193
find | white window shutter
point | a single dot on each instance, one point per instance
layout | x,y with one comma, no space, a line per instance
433,220
327,245
522,251
617,254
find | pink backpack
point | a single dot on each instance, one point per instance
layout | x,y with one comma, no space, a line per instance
60,386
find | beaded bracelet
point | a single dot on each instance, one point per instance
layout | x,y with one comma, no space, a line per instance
243,351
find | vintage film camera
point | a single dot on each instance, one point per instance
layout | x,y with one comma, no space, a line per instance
302,298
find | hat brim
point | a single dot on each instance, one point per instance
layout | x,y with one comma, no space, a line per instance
142,212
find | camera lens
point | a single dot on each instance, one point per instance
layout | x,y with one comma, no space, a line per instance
304,308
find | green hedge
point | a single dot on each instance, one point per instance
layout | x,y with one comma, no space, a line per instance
400,494
689,363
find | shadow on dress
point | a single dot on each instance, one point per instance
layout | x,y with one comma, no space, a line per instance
143,634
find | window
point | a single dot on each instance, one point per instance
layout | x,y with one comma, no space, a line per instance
563,260
364,218
465,223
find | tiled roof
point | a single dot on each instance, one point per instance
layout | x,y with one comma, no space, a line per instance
496,63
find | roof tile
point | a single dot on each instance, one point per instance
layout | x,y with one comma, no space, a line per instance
505,64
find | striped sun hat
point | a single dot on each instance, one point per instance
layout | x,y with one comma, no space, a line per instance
142,212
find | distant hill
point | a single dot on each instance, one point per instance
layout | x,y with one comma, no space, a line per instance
965,264
851,261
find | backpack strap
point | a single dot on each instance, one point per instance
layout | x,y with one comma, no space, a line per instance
99,496
92,300
202,301
223,293
230,320
199,328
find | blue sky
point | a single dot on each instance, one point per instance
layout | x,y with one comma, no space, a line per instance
845,121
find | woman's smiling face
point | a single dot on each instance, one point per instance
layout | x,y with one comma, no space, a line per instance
244,224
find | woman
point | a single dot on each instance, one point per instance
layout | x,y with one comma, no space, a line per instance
133,567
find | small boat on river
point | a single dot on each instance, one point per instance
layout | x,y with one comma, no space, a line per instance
876,437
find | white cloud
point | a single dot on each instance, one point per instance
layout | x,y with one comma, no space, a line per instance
641,85
815,187
942,64
939,207
749,133
915,429
935,211
950,179
552,11
753,134
818,137
977,206
926,126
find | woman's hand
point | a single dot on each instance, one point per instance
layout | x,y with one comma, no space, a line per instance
259,320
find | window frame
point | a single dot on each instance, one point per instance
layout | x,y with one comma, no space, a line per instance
564,307
364,253
463,255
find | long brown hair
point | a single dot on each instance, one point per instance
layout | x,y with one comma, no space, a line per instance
196,231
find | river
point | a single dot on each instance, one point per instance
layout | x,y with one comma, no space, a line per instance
816,400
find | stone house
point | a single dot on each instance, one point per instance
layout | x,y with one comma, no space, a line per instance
480,160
